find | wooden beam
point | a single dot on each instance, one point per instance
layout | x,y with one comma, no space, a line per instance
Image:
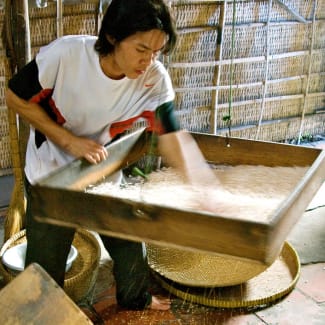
292,12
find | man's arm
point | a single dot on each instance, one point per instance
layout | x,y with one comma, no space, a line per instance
180,150
22,88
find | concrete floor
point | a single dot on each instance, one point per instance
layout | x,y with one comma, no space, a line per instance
305,304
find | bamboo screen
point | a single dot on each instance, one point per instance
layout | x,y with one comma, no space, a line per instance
252,69
5,155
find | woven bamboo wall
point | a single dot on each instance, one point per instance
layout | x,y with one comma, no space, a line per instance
255,62
5,157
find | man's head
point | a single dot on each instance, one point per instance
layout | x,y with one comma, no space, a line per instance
124,18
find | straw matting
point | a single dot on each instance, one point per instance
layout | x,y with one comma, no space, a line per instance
272,284
200,269
81,277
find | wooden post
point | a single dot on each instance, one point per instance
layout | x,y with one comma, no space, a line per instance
22,49
216,80
309,73
267,56
59,19
18,47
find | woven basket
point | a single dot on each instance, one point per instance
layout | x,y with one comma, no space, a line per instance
267,287
81,277
198,269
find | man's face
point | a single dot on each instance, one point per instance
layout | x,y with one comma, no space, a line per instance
133,55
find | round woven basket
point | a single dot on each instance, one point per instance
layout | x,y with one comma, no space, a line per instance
81,277
200,269
269,286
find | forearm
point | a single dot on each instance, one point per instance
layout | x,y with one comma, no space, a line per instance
67,141
38,118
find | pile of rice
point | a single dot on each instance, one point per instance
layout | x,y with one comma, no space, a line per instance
245,192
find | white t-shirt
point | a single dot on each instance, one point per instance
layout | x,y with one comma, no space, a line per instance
89,103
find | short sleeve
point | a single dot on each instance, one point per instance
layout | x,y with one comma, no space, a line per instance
25,82
48,62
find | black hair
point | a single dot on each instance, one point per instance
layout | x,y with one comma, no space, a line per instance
124,18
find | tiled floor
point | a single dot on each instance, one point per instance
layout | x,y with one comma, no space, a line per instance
304,305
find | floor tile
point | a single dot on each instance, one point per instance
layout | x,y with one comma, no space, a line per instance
115,315
295,309
308,236
320,318
191,314
312,281
108,310
105,300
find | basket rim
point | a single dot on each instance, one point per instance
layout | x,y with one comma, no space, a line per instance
76,286
219,301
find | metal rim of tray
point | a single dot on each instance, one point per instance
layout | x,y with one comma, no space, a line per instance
223,296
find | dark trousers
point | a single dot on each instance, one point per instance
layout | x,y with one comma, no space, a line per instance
49,246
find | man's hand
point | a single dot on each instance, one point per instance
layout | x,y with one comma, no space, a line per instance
80,147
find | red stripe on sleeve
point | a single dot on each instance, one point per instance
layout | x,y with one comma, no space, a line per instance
46,95
119,127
